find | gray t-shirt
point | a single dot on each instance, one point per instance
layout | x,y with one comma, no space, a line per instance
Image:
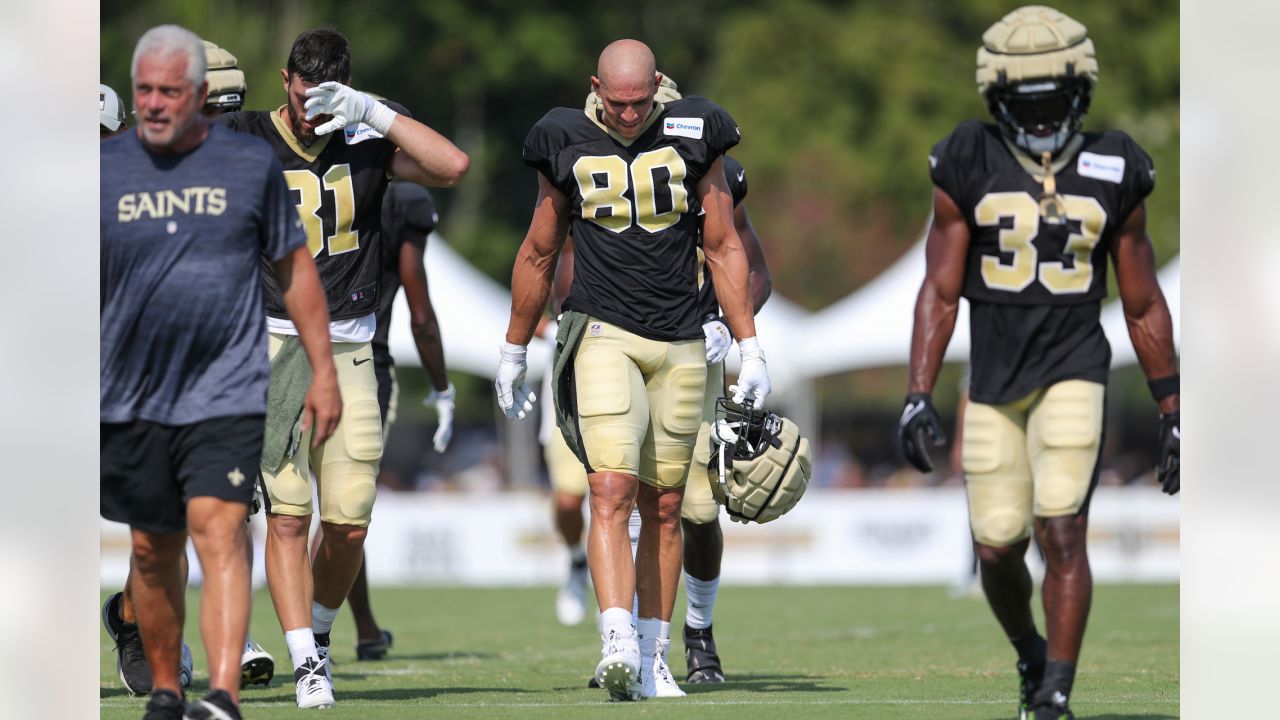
184,335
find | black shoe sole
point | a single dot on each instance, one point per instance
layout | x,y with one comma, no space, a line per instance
257,672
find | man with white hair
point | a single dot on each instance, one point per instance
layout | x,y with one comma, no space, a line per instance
187,213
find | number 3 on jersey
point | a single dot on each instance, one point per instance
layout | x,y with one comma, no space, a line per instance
657,178
337,180
1022,269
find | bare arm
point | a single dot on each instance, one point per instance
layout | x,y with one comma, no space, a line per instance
939,299
564,277
536,261
1145,309
422,316
759,280
305,302
425,156
726,257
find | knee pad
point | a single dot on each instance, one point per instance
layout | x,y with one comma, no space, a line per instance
1000,528
699,506
289,490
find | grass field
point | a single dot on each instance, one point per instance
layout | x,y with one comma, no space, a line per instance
821,652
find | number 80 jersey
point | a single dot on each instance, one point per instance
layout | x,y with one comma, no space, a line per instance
1035,287
634,210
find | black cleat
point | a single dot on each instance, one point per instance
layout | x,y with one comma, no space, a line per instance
1050,706
700,656
593,683
164,705
257,667
216,705
1029,679
131,661
375,649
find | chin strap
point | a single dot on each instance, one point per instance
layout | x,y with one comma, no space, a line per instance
1051,209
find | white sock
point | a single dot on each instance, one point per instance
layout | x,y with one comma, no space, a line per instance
248,642
633,529
701,595
302,645
652,632
322,618
617,619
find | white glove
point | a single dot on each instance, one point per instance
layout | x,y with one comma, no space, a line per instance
514,395
719,340
348,107
753,379
443,403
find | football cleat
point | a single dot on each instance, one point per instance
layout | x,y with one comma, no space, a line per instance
1051,706
257,667
759,462
655,676
376,648
164,705
700,656
571,600
619,668
313,687
215,705
186,667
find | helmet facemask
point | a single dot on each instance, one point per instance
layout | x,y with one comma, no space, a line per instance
1040,115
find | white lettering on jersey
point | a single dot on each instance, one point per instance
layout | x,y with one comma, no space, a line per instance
1101,167
684,127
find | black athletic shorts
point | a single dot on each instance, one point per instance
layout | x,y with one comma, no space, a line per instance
150,471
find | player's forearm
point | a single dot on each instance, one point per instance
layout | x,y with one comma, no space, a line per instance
426,336
1151,330
729,273
433,159
761,288
935,321
530,288
305,302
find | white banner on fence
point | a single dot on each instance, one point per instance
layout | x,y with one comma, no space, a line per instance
916,536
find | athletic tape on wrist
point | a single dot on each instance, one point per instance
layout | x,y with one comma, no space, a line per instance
1162,388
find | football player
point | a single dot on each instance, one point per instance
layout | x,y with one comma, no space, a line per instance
629,177
1026,212
338,147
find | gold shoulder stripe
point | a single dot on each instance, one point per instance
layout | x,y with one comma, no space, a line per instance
306,153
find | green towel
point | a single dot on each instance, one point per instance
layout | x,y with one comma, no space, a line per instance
286,395
572,325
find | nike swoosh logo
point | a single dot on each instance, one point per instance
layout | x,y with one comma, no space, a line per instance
741,174
360,362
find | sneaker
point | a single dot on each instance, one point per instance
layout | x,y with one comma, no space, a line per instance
619,668
376,648
131,661
314,689
700,656
1050,706
655,676
571,601
164,705
186,667
215,705
1029,679
322,649
257,667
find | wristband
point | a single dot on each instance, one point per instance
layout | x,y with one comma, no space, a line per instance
378,116
1162,388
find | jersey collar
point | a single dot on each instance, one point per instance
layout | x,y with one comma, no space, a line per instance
593,115
1034,168
310,154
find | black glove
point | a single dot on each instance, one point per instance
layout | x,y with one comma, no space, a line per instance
918,418
1170,449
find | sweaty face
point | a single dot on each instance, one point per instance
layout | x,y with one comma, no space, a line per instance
303,129
166,102
625,108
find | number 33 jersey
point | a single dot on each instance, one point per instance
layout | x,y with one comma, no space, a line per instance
634,210
1034,286
337,184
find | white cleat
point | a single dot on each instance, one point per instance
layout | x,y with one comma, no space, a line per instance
655,676
256,666
619,668
571,601
186,667
314,689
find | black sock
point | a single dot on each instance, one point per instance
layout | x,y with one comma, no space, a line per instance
322,639
1031,649
1059,675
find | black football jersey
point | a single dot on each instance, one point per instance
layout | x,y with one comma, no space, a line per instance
1035,288
634,210
737,178
408,216
338,184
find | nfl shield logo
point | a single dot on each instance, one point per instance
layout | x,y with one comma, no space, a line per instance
595,329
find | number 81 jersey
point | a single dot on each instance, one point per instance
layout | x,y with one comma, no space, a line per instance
1035,286
634,210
